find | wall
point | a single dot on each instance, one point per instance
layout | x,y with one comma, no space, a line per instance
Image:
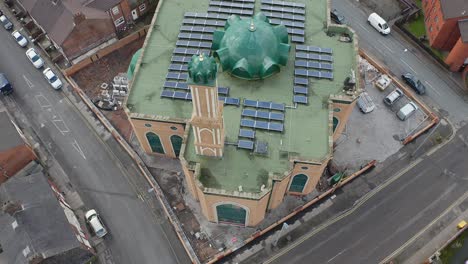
313,171
457,55
13,160
278,191
87,35
255,213
342,115
162,129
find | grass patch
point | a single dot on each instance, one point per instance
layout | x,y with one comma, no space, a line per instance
449,251
417,27
418,3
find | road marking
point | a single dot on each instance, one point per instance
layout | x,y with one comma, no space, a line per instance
432,88
78,148
364,28
411,240
407,65
28,82
383,44
42,101
341,252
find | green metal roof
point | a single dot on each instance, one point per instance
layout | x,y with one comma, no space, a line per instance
251,48
133,62
202,69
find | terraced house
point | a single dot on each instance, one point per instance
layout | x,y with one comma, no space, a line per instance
249,95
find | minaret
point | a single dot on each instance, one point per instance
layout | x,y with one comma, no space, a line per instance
207,115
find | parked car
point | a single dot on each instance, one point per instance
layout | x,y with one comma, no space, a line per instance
365,103
378,23
6,22
406,111
392,97
95,222
337,17
414,82
35,59
52,78
20,39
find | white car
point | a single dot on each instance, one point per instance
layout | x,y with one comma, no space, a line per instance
35,59
20,39
95,222
54,81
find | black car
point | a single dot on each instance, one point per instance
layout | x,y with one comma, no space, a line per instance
337,17
414,82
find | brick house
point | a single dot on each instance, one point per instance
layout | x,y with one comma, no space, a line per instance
447,29
77,27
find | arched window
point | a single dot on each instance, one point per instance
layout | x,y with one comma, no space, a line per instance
155,142
176,142
298,183
336,121
231,214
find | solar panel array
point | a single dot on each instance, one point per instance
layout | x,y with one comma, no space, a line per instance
289,14
242,8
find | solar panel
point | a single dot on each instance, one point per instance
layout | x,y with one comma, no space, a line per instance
314,49
180,95
301,90
178,67
300,72
313,56
230,11
177,76
301,81
180,59
276,127
326,66
326,75
167,94
276,116
203,22
315,74
232,4
265,105
298,18
232,101
261,125
277,106
251,103
249,113
247,123
282,3
300,99
176,85
296,31
300,63
195,36
193,44
245,144
289,24
223,90
246,133
197,29
280,9
263,114
206,15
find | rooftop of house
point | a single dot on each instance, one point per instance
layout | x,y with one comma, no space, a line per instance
454,8
57,17
307,127
10,137
463,25
38,225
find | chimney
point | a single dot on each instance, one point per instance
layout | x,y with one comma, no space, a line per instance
78,18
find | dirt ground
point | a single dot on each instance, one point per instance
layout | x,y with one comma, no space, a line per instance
89,79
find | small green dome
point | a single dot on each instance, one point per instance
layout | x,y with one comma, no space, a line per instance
202,69
251,48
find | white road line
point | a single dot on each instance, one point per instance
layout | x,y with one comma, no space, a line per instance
78,148
42,101
364,28
432,88
408,65
28,82
341,252
383,44
64,129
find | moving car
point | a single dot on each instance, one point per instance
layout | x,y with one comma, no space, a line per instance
406,111
379,23
6,22
392,97
35,59
95,222
52,78
337,17
5,85
414,82
20,39
365,103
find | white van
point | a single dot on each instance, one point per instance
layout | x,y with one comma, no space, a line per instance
407,110
95,222
379,23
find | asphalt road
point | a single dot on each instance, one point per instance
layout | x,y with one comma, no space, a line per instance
442,93
392,216
135,235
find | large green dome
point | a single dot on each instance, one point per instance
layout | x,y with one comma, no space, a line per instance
251,48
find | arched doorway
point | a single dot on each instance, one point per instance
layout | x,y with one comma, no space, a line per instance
298,183
176,142
231,214
155,143
335,123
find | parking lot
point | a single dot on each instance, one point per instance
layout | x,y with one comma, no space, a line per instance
378,134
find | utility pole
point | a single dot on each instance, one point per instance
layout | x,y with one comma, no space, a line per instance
283,227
